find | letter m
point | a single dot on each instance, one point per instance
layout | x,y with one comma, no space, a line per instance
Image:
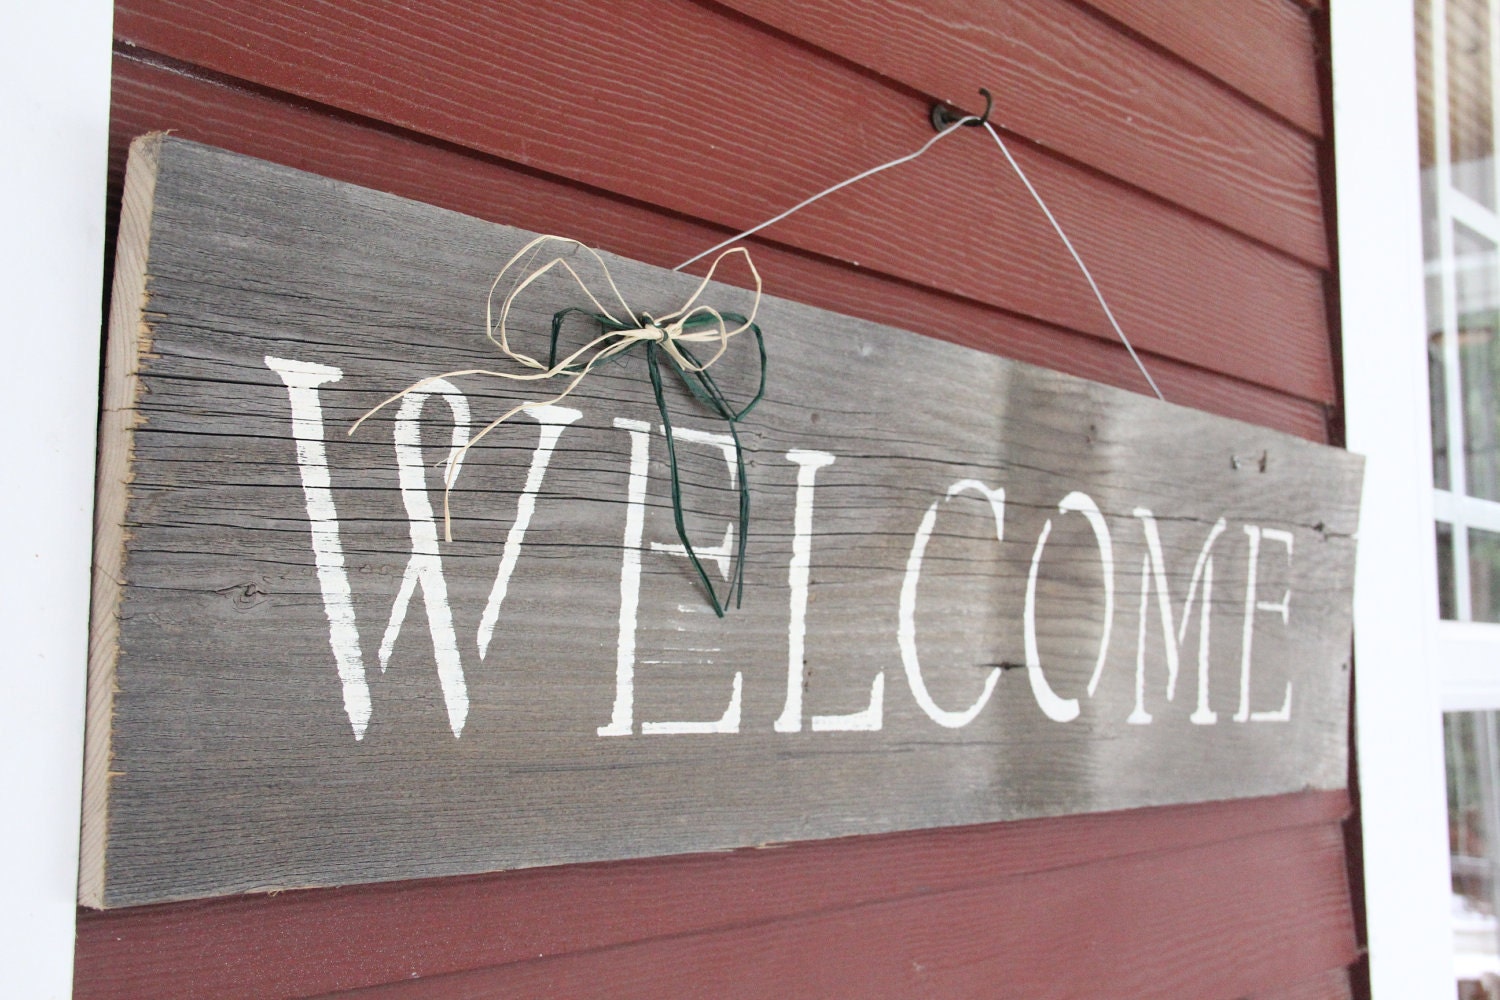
1154,573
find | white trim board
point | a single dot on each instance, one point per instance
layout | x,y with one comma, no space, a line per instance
55,84
1398,721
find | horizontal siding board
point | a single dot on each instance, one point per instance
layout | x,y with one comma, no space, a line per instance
1265,49
1075,84
1220,921
300,943
1182,286
1330,985
150,97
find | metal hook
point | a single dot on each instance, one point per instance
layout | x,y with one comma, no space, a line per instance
942,116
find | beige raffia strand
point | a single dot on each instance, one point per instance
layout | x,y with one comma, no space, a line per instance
666,331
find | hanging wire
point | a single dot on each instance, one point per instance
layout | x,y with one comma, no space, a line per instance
948,129
1108,313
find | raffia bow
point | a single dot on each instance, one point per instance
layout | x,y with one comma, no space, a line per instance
672,335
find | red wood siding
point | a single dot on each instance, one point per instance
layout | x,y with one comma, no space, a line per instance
1179,145
1266,51
956,223
1157,902
1140,116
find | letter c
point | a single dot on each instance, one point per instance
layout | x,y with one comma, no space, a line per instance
906,633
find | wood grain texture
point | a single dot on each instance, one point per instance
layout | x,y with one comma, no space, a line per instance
154,98
440,70
1149,927
322,941
239,769
1266,49
1120,107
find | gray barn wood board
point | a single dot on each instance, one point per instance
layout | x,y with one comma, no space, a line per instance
229,749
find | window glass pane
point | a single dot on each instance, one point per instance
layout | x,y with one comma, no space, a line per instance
1432,248
1484,575
1477,285
1471,744
1438,389
1447,602
1470,135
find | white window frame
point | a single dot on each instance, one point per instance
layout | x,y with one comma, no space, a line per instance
54,104
1409,667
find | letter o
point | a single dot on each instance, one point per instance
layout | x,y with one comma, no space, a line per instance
1054,707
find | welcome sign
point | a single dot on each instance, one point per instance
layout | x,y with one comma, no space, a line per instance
973,590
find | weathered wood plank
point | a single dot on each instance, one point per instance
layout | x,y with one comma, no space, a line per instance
325,940
465,73
149,98
238,764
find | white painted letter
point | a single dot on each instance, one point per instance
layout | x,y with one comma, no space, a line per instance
425,566
870,717
622,721
1139,716
553,419
1055,708
906,632
302,379
1085,505
1156,570
723,552
729,722
808,464
1283,606
867,720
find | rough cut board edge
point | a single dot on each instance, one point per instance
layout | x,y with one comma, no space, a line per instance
128,339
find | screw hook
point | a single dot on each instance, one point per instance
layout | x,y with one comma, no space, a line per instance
941,115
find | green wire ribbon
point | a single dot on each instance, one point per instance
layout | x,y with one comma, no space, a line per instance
703,388
669,336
